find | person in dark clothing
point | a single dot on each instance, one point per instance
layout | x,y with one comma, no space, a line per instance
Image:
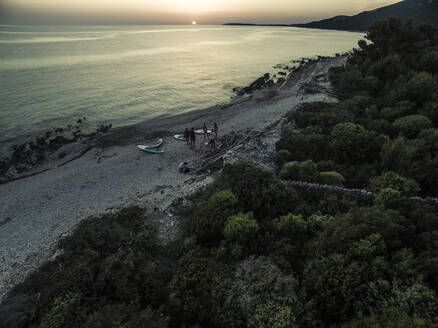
215,129
205,132
213,141
187,135
192,137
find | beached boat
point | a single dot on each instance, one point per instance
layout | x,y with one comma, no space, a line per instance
150,149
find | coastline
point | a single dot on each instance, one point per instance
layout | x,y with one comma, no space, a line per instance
37,210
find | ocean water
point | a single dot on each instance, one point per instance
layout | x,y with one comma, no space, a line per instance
51,76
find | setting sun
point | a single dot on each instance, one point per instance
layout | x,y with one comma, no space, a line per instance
194,23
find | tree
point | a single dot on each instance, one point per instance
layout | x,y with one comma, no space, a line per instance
241,227
353,144
331,178
208,219
390,179
409,126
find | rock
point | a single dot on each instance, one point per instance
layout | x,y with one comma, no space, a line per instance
34,158
257,84
11,172
280,81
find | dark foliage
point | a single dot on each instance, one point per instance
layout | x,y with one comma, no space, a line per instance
387,117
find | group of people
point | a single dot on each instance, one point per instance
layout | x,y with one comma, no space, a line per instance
190,136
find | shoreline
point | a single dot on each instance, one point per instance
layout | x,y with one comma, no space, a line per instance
74,145
37,210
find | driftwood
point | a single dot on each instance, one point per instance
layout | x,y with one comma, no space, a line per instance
314,88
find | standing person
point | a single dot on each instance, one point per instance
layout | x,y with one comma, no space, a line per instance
215,129
205,133
187,135
213,141
192,137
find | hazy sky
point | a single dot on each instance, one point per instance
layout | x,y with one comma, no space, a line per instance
180,11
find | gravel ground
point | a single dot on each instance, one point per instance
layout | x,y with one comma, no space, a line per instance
36,211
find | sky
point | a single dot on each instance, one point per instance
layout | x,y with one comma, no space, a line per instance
179,11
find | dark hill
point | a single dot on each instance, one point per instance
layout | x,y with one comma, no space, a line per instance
420,11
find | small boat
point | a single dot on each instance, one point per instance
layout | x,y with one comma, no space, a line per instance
150,149
157,144
202,131
179,137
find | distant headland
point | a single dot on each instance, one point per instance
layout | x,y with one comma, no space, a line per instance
418,11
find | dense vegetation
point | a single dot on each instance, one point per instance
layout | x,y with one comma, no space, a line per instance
256,253
383,133
419,11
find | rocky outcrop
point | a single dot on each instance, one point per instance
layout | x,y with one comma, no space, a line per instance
56,144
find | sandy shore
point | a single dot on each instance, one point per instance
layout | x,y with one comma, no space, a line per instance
36,211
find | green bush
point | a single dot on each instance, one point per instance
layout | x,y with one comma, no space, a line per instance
410,126
331,178
390,179
353,144
381,126
290,171
240,227
421,87
304,171
282,157
390,318
305,146
258,191
291,225
60,312
125,316
323,115
386,196
208,219
399,109
397,155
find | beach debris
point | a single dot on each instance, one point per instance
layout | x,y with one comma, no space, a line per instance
183,167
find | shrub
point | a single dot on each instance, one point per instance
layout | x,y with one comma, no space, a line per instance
353,144
397,155
258,191
264,294
331,178
431,110
390,318
125,316
282,157
399,109
357,104
387,68
323,115
291,225
303,146
390,179
241,227
410,126
208,219
308,171
305,171
290,171
421,87
386,196
60,311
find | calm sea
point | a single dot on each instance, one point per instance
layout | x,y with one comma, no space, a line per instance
51,76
